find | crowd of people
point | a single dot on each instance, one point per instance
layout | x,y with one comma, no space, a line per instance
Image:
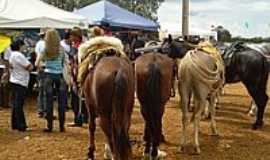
57,69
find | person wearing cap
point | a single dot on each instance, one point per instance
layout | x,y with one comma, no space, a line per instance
20,69
107,29
40,46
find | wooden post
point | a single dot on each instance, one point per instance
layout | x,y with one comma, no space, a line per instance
185,18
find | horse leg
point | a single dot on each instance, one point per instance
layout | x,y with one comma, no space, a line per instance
172,88
206,113
253,109
185,95
200,104
106,128
260,98
156,153
261,101
190,105
147,139
212,109
92,128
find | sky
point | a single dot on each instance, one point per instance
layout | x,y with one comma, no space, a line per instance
245,18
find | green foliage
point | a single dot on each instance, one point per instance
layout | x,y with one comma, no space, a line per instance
250,40
145,8
223,34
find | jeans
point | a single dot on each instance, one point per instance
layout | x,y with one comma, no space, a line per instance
18,118
41,100
80,115
57,81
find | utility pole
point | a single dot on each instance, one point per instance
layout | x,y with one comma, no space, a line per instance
185,18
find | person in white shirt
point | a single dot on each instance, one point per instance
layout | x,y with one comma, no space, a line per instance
66,43
7,54
40,46
20,69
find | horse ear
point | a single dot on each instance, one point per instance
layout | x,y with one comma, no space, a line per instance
170,38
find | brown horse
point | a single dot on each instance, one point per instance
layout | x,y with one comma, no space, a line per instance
109,91
153,82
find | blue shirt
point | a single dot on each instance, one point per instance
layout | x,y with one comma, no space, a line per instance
55,65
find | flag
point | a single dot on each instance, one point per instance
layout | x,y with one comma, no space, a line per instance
246,25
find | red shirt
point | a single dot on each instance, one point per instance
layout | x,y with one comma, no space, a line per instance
74,65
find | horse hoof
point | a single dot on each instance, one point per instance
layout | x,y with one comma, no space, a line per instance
146,156
107,152
172,94
161,155
182,150
197,151
256,126
251,114
162,139
214,134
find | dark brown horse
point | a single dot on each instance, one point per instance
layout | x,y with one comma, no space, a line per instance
153,81
109,91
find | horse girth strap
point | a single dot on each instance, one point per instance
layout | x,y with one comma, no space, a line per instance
94,55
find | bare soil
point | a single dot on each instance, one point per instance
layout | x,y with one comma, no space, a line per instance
236,140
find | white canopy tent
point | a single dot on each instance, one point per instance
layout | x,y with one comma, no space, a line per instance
36,14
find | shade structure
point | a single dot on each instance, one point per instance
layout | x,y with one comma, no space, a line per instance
107,12
36,14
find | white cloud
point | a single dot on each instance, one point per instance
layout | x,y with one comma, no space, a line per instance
231,14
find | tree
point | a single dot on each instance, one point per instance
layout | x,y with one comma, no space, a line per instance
223,35
145,8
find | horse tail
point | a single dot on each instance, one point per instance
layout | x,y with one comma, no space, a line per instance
153,98
120,138
265,73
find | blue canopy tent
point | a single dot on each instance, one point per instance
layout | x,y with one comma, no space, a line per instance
106,12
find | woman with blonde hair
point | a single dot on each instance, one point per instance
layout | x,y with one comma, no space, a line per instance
53,58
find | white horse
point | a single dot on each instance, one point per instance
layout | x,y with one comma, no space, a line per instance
201,75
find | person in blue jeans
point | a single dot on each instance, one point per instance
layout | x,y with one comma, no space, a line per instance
40,77
20,69
53,58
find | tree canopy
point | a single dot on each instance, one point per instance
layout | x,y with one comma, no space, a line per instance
145,8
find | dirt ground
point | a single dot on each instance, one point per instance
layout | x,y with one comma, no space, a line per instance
236,141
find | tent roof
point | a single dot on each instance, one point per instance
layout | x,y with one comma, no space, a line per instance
36,14
104,11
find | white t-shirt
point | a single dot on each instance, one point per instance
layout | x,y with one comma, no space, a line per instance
7,54
40,46
66,47
18,73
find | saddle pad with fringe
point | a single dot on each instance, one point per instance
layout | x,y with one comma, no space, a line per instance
93,50
209,49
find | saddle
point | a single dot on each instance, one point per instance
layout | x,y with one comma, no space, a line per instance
94,50
233,49
209,49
